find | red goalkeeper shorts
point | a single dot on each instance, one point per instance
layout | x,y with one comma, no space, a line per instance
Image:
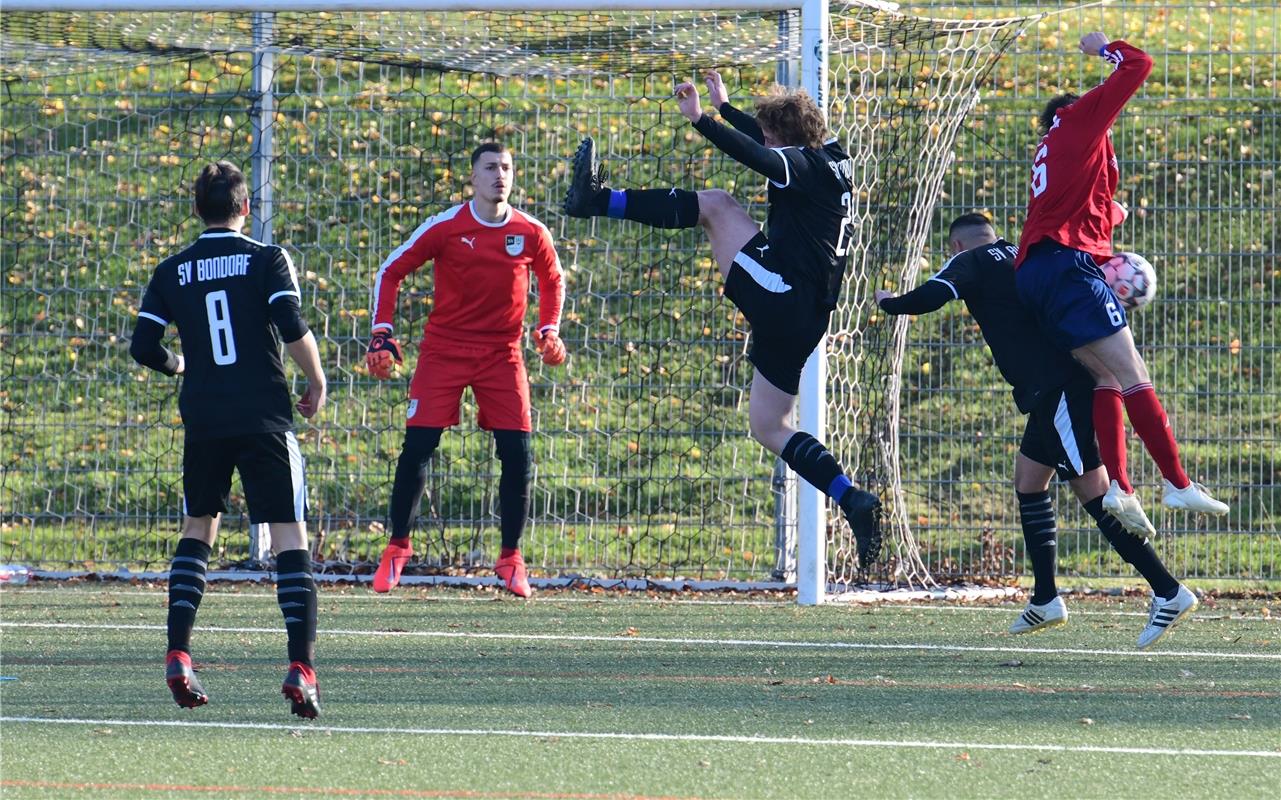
495,373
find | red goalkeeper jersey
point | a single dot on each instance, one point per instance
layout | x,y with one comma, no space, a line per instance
481,275
1074,171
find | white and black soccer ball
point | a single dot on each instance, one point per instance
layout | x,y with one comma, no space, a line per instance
1132,279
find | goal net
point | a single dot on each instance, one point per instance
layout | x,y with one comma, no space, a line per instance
356,126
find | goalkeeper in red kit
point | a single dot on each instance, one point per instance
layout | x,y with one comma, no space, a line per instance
482,253
1066,236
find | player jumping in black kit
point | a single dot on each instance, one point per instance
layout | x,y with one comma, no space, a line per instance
1056,393
229,295
785,282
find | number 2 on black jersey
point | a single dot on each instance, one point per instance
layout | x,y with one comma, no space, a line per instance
221,340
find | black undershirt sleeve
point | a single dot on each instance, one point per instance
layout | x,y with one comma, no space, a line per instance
742,121
146,349
286,315
743,149
929,296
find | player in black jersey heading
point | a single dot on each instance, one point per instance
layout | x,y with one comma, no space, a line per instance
229,295
1056,393
786,281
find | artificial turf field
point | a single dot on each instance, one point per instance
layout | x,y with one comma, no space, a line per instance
441,693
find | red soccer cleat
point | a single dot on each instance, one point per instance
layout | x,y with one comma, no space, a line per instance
510,569
187,691
301,689
395,557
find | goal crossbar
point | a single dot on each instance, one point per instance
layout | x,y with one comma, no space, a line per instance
420,5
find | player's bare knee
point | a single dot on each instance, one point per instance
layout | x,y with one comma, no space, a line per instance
287,536
713,204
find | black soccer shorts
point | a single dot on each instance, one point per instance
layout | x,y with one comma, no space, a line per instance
783,309
271,472
1060,431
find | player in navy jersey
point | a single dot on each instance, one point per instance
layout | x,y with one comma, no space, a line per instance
1055,392
233,300
1066,236
786,280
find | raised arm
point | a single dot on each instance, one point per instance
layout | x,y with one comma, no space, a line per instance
738,146
718,96
1098,108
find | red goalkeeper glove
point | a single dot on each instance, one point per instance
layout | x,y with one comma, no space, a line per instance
548,343
383,356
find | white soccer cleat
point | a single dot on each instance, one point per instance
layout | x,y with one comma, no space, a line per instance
1193,497
1125,506
1164,614
1036,618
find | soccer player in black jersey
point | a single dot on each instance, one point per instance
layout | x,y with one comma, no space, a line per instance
233,300
1056,393
786,280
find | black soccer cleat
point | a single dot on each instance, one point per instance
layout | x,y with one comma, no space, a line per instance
863,512
301,689
186,689
585,182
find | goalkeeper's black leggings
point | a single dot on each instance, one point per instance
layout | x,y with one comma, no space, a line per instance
514,454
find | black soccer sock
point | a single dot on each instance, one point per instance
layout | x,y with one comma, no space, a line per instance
660,208
815,463
1040,534
517,460
411,478
186,588
1135,551
296,596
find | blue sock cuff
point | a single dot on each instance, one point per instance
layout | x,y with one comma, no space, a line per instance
836,489
617,203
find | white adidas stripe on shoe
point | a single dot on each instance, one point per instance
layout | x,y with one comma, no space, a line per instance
1037,618
1165,614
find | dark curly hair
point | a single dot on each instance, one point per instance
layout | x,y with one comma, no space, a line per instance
1046,120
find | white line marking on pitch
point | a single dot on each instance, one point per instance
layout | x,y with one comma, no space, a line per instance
554,637
660,737
1008,609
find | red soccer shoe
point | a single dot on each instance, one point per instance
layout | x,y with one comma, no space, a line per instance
395,557
187,691
510,569
301,689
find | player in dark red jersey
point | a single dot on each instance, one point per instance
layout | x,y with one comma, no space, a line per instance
1066,236
1054,391
785,282
233,300
482,253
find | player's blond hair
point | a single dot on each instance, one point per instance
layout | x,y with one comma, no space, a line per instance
792,117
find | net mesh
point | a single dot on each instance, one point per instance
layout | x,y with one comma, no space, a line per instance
901,87
643,463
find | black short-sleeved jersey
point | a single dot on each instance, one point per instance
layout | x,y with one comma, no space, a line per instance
809,214
984,278
218,292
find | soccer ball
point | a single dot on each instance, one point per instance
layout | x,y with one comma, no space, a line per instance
1132,279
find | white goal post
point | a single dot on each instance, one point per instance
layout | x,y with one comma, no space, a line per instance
900,120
